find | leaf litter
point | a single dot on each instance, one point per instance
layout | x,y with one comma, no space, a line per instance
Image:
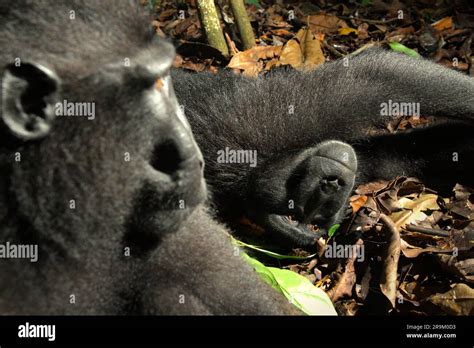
417,246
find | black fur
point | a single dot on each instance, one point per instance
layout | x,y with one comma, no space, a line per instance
176,253
338,101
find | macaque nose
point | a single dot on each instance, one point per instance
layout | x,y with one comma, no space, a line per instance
331,184
177,156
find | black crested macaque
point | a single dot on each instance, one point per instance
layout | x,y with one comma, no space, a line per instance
101,184
286,149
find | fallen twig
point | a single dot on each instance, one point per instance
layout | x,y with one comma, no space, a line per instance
426,230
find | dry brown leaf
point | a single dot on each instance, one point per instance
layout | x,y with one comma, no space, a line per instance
271,63
345,281
325,23
424,202
319,36
413,210
457,301
459,65
302,52
291,54
462,204
183,25
357,202
282,32
443,24
311,47
388,278
193,66
411,251
463,269
371,187
382,27
347,307
363,31
277,21
249,60
231,44
400,33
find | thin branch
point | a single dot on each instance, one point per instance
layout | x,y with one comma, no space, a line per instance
427,230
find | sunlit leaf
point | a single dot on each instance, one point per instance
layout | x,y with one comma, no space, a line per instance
250,60
413,209
347,31
398,47
296,288
303,51
262,271
357,202
333,229
443,24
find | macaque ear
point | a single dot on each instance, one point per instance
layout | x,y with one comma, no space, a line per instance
29,94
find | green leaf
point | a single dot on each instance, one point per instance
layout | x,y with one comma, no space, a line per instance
366,3
262,271
296,288
332,230
252,2
398,47
271,253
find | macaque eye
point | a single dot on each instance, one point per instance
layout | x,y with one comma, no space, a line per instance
159,84
163,85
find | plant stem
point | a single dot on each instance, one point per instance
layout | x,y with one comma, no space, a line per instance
212,26
243,23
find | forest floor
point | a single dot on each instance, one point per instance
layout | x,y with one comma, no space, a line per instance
418,246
